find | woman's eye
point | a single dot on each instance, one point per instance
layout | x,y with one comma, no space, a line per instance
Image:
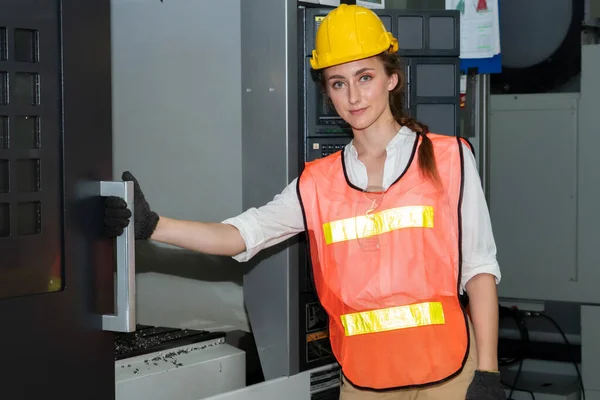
337,85
365,78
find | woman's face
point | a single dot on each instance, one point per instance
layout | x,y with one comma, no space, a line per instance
359,91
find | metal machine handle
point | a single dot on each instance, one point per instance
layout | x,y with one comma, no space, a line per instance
125,318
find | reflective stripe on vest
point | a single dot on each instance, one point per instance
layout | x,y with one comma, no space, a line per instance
378,223
388,319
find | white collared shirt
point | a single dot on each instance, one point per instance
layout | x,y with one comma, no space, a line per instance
282,218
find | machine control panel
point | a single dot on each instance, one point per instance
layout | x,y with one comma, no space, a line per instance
429,48
323,146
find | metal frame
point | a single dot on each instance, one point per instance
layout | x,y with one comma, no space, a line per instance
269,162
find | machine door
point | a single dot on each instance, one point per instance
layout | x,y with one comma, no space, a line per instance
56,271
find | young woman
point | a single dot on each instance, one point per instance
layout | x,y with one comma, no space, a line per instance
397,225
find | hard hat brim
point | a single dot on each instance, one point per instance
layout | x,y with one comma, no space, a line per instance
316,65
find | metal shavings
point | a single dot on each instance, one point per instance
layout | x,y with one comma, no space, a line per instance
148,340
144,340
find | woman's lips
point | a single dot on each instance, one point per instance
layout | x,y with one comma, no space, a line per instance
358,111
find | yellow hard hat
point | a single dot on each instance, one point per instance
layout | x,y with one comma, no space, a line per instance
350,33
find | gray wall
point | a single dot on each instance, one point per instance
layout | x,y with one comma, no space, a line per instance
177,127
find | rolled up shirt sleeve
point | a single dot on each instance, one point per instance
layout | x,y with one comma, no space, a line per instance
268,225
478,244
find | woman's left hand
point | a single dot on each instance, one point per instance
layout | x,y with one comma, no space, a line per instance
486,386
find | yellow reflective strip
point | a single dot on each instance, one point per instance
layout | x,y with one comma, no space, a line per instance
378,223
388,319
327,233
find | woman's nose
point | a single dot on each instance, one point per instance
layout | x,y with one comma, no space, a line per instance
353,94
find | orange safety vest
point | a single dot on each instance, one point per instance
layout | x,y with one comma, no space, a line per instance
395,316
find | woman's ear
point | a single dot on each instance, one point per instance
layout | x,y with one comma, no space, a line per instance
393,81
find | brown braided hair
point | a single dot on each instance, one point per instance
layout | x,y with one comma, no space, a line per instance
392,64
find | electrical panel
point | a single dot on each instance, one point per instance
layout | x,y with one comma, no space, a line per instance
429,47
429,44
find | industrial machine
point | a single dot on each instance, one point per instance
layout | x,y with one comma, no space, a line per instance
185,85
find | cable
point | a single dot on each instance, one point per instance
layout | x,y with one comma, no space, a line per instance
518,390
513,387
564,336
517,316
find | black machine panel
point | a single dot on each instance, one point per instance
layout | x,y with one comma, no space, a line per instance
428,33
30,170
56,270
429,44
434,93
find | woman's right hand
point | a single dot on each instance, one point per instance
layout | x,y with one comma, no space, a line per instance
117,215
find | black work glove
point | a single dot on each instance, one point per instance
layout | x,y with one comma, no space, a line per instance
117,215
486,386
